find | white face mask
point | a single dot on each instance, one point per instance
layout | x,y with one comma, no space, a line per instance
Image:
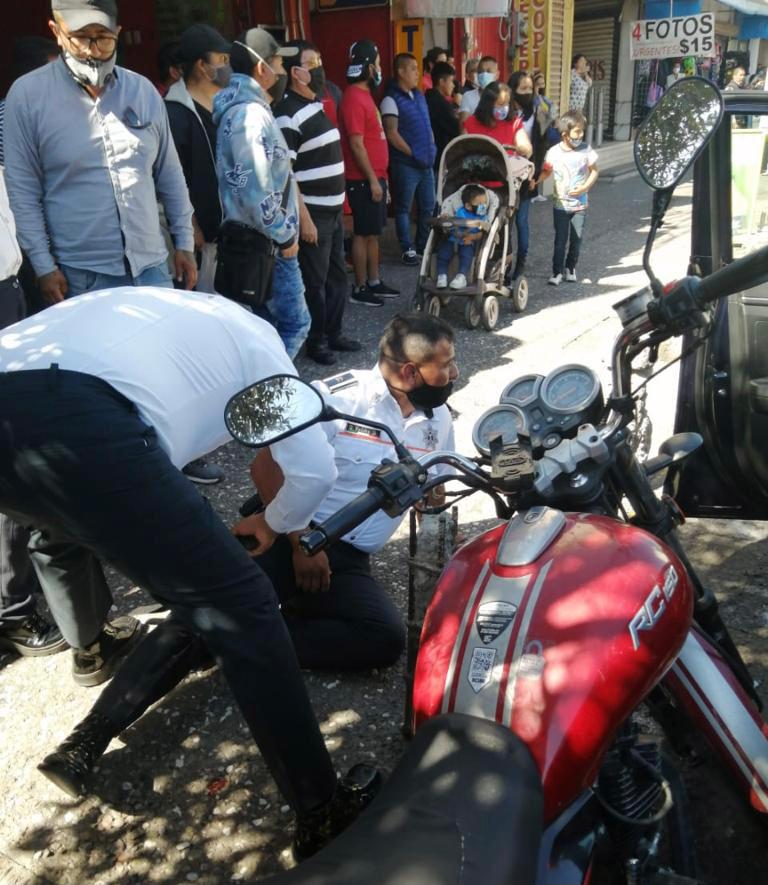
90,71
484,78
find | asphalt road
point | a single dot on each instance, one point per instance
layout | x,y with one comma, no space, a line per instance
182,796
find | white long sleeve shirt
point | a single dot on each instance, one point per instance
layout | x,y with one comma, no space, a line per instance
10,254
179,357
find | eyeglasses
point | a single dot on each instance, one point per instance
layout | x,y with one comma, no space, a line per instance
105,44
316,62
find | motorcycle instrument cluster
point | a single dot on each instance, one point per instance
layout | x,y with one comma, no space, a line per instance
543,409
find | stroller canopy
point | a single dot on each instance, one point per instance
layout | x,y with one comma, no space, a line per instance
483,160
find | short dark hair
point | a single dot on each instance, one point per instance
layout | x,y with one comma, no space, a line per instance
570,119
412,337
30,53
294,61
167,58
487,60
575,59
402,58
488,98
471,191
441,71
430,59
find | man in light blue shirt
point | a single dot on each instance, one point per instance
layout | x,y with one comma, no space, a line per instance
88,156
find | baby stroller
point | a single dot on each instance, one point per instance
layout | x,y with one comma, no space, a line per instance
476,159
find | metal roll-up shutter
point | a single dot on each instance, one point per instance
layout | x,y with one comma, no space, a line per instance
596,38
559,30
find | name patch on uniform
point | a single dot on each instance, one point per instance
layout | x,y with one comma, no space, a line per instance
361,430
340,382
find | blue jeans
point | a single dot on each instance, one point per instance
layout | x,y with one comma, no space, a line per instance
445,253
408,183
287,308
521,223
80,280
569,232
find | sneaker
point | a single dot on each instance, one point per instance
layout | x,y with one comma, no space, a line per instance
383,290
442,280
33,637
410,257
538,199
344,344
366,297
202,472
98,662
555,279
570,276
319,353
353,794
71,764
459,281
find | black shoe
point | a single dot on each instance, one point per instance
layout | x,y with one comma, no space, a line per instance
365,296
32,638
353,794
344,345
410,257
320,354
383,290
71,763
517,272
96,664
202,472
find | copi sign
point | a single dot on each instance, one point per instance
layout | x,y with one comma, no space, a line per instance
533,51
674,37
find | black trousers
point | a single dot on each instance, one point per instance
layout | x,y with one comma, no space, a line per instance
18,582
325,277
354,626
78,463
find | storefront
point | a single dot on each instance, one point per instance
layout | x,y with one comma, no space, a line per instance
596,33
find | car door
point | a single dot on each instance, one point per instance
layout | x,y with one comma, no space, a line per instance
723,392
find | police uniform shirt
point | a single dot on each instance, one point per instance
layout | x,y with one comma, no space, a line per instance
358,449
178,357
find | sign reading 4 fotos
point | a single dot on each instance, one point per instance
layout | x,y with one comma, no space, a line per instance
674,37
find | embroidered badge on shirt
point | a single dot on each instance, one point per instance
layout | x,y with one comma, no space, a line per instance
361,430
340,382
430,438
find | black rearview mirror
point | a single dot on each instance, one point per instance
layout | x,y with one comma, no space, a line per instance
677,130
272,409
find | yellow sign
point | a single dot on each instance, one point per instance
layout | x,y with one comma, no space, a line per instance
547,41
409,37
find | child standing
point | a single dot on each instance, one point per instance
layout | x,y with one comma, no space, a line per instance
475,206
574,165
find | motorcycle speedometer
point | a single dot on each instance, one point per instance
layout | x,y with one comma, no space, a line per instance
506,419
570,389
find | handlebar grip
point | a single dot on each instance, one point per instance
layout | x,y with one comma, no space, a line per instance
341,522
744,273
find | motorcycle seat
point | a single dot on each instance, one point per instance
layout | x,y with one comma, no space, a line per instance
464,806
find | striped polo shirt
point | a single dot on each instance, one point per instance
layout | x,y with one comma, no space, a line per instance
315,148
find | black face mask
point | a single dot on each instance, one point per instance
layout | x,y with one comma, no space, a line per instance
525,101
317,80
429,397
277,89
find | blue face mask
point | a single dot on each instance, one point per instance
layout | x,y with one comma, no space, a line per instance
484,78
481,209
501,113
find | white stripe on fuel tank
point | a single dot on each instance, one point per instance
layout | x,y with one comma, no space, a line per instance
460,633
483,703
522,639
710,683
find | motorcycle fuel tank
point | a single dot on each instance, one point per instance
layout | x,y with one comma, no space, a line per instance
557,626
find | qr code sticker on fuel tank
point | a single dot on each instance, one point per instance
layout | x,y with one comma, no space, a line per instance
481,668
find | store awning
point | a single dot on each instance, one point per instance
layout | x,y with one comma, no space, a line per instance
660,8
748,7
457,8
753,27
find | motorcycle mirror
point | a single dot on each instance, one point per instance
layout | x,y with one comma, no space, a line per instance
272,409
676,131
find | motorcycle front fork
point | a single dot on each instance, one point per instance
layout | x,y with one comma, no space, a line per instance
659,517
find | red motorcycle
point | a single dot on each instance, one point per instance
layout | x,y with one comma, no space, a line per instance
546,635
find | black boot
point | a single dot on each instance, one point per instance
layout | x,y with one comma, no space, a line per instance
95,664
71,763
353,794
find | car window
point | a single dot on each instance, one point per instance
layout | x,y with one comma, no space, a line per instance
749,182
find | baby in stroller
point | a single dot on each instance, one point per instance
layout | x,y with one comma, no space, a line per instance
474,199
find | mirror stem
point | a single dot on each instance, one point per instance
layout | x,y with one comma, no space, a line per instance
661,201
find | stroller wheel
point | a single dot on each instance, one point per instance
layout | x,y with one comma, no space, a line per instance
473,311
432,305
490,312
520,294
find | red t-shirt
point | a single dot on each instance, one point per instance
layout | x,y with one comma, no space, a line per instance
358,115
504,131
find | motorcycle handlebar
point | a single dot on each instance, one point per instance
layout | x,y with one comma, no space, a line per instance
343,521
744,273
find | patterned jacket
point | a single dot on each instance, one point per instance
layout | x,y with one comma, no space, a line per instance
253,164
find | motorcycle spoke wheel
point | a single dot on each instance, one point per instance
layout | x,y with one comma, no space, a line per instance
490,312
